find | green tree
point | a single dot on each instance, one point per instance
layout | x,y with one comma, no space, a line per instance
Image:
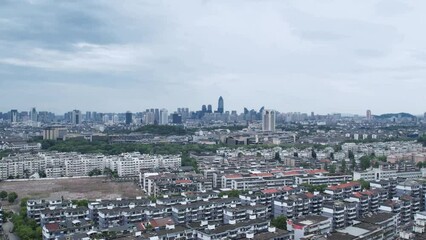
365,162
12,196
332,169
332,156
313,154
81,203
279,222
343,166
296,154
42,174
364,184
232,193
277,156
3,195
351,155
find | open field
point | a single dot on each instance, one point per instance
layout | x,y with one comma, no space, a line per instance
75,188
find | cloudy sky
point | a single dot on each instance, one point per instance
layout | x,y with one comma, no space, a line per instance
299,55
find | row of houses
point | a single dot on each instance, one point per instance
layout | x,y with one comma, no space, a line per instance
55,164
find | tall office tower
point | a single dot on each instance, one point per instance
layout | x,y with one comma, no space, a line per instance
369,115
76,117
13,115
88,116
268,120
164,117
129,118
204,108
209,108
176,118
149,118
33,114
156,116
220,106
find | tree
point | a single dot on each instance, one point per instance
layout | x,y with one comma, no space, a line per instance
332,169
81,203
232,193
42,174
364,184
314,154
343,166
332,156
277,156
365,162
11,197
3,195
351,155
279,222
296,154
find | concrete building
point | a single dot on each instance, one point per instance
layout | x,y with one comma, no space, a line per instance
307,227
164,117
268,120
76,117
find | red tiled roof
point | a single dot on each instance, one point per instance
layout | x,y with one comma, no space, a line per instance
262,175
52,227
309,195
270,191
287,188
161,222
316,171
233,176
344,185
294,172
183,181
357,194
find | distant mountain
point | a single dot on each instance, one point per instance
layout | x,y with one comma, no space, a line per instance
392,115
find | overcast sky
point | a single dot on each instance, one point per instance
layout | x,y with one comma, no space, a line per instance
301,55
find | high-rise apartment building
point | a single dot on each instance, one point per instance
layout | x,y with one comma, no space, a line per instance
164,117
268,120
369,117
13,115
220,106
33,114
129,118
76,117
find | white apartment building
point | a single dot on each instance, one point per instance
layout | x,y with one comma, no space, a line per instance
377,174
56,164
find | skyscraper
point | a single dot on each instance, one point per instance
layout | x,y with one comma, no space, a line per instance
33,114
268,120
209,108
88,116
129,118
369,115
13,115
220,105
164,117
76,117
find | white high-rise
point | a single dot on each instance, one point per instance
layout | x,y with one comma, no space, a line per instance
164,117
268,120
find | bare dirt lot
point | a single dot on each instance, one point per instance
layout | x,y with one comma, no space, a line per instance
76,188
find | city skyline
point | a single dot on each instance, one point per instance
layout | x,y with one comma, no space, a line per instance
290,56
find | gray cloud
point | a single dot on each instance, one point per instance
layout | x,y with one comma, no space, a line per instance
323,56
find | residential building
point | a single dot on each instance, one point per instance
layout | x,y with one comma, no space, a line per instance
306,227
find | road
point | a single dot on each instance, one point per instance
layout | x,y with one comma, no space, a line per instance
7,227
